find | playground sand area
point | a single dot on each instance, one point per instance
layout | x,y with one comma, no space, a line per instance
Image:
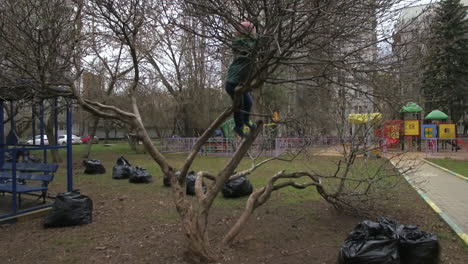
138,224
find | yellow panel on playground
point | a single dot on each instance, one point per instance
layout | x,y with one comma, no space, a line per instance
447,131
411,127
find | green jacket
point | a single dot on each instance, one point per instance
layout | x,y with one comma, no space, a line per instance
243,63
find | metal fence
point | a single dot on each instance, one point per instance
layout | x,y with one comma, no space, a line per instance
217,146
277,146
262,145
444,146
178,144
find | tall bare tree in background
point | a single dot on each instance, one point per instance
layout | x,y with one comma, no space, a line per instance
105,72
38,42
187,66
322,44
22,122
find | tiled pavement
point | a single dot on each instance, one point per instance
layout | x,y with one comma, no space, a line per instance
445,193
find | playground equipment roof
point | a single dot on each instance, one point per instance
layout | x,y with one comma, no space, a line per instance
364,118
411,108
436,115
29,89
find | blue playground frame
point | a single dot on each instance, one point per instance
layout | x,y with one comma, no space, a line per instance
14,149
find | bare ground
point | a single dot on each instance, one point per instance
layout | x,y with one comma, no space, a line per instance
138,224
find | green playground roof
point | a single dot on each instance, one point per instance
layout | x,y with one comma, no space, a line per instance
411,108
436,115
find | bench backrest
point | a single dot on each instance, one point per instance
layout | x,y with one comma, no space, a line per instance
32,167
27,176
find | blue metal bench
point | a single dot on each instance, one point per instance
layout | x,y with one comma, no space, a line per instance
27,172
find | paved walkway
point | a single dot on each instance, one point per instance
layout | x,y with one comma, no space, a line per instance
443,191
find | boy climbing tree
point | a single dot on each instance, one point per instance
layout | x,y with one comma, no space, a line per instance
240,71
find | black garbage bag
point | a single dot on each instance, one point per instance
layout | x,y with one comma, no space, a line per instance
418,247
93,167
69,209
191,178
140,175
122,169
237,188
371,243
391,227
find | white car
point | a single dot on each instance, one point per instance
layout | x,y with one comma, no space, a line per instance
37,140
62,140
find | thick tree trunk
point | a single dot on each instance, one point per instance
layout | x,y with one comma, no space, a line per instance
22,126
132,142
51,138
91,137
158,132
465,128
82,121
186,123
195,225
106,140
199,249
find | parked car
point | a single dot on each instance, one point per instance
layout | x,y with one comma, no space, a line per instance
37,140
62,140
85,138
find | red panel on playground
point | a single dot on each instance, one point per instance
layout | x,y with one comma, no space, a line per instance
391,132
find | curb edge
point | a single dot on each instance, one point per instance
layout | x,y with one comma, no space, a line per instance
446,170
462,235
458,231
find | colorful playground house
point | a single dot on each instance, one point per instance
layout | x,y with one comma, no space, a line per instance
412,130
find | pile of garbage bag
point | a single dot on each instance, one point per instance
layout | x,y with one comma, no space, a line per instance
389,242
190,182
140,175
124,170
93,166
232,189
237,188
70,209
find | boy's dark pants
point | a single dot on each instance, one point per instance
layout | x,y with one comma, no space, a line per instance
245,104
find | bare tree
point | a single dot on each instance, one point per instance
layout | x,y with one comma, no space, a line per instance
357,188
294,32
38,43
110,74
186,64
335,38
22,121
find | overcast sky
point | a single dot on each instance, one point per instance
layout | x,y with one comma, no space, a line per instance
386,28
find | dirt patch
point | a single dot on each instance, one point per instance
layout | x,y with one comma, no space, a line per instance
138,224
